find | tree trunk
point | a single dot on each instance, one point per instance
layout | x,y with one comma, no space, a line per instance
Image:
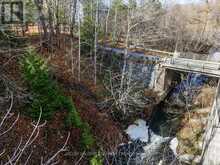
51,27
79,53
96,41
74,3
39,5
50,18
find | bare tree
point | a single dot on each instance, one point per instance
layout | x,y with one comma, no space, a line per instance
22,146
79,33
96,41
39,4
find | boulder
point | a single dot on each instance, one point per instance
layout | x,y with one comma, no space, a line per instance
189,137
190,159
205,97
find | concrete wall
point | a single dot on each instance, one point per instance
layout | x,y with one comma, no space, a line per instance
163,79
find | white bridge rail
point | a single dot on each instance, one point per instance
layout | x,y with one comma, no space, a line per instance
188,65
211,141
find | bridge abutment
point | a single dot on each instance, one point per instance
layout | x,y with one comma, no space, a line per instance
163,79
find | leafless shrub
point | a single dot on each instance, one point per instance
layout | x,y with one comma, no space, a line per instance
23,145
126,98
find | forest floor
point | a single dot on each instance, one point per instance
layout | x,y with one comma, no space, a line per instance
108,132
52,136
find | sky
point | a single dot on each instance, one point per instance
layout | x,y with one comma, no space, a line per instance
170,1
164,2
187,1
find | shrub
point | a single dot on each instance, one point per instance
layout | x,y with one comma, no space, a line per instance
10,39
73,117
97,159
45,92
48,97
87,139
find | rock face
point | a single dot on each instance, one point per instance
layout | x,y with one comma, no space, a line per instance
190,159
190,136
205,97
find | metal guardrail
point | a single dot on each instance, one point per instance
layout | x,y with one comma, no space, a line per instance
212,126
191,62
190,65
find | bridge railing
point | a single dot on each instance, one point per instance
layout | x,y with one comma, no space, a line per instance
212,123
190,63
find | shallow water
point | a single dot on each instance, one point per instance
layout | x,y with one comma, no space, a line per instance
154,144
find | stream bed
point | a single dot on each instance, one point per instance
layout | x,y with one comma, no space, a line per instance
169,136
146,147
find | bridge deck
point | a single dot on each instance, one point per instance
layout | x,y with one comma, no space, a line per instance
196,66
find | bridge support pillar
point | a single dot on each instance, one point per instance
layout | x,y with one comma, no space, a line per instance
163,79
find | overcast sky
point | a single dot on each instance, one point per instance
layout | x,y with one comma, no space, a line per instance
188,1
169,1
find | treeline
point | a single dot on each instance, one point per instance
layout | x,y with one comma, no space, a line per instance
145,23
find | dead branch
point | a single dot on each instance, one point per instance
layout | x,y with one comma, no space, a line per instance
52,159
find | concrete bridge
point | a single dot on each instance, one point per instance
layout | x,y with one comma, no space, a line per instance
208,68
162,78
165,70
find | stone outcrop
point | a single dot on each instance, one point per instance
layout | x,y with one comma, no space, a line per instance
191,134
205,97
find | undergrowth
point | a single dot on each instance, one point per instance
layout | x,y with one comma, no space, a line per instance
10,39
48,97
97,159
